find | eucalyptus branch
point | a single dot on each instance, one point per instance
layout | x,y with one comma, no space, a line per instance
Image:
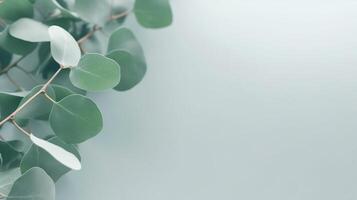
41,91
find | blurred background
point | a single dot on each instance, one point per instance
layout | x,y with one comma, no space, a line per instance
242,100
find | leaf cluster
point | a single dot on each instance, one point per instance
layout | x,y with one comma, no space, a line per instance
52,52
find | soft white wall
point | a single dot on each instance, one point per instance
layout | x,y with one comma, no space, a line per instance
243,99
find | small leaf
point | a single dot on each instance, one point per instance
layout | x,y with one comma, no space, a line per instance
29,30
60,154
126,50
15,9
75,119
14,45
153,13
35,184
64,47
95,72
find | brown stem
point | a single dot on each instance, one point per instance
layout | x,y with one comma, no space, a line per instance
42,90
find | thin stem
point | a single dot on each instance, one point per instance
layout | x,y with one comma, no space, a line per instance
29,100
49,98
89,34
19,127
120,15
14,82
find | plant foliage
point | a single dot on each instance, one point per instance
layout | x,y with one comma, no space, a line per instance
63,49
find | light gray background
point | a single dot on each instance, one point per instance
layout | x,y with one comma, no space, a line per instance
243,99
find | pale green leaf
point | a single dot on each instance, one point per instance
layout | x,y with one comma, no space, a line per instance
95,72
29,30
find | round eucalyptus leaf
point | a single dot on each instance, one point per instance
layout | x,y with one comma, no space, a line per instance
29,30
153,13
95,72
75,119
64,47
14,45
34,184
39,108
37,157
15,9
126,51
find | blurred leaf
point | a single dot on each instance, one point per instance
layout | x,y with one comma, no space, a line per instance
126,50
14,45
75,119
95,72
35,184
94,11
7,178
5,58
39,108
15,9
153,13
51,9
29,30
10,158
64,47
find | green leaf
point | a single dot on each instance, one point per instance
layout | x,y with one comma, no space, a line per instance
95,72
153,13
5,58
8,103
29,30
15,9
39,108
14,45
94,11
75,119
7,178
10,158
37,157
35,184
125,49
64,47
